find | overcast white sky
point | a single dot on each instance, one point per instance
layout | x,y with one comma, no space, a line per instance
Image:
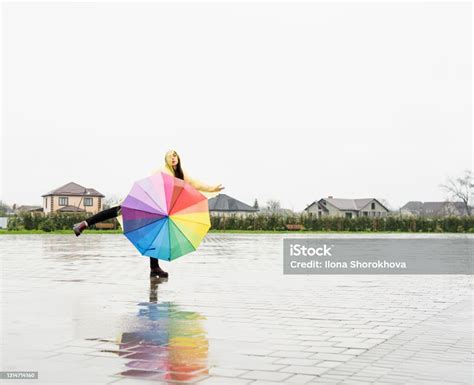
293,102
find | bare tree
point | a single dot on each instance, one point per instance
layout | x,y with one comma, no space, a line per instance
461,188
110,201
386,204
4,208
273,206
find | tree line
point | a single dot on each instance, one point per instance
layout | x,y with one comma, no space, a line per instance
274,222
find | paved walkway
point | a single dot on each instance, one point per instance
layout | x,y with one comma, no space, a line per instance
83,310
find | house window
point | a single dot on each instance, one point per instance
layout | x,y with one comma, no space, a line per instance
63,201
366,214
348,215
88,201
46,203
372,205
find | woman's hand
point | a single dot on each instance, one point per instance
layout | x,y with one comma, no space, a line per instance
218,188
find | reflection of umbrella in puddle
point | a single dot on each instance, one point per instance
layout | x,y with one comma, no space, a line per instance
166,343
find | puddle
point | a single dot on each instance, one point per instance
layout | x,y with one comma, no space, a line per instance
162,342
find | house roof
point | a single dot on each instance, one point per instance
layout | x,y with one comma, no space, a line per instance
70,209
320,206
351,204
348,204
412,205
223,202
29,208
74,189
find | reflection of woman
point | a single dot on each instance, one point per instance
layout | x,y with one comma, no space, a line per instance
172,167
165,343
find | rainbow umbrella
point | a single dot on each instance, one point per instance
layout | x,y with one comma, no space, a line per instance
165,217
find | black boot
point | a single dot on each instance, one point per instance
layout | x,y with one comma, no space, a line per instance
78,228
158,271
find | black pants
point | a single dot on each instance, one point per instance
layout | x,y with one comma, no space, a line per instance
114,212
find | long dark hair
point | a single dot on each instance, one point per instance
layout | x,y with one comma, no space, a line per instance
178,172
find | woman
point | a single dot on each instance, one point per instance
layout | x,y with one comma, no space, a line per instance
172,167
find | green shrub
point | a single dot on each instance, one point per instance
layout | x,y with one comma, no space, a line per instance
47,225
311,222
274,222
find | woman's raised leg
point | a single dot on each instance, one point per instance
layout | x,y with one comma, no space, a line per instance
96,218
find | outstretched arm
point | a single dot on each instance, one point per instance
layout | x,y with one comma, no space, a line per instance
198,185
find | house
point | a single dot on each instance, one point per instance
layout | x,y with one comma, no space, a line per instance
434,209
317,208
223,205
349,208
72,198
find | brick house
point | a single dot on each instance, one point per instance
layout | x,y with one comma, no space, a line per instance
71,198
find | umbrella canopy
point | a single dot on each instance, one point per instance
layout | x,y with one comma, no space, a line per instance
165,217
